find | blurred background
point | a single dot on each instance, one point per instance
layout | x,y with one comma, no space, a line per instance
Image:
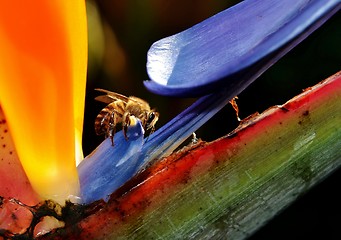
120,34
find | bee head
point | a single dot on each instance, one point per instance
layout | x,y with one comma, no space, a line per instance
152,118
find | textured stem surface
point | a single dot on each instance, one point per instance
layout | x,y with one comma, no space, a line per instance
232,186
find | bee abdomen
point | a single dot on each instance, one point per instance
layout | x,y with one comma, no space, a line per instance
103,120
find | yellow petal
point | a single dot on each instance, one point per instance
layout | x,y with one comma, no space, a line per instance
43,55
77,31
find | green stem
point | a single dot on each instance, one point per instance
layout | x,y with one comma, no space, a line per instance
231,187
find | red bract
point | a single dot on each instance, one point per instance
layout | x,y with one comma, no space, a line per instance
193,190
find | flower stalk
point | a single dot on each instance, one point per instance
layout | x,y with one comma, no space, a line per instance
232,186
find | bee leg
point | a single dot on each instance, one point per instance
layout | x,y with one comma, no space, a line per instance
152,129
111,135
126,123
112,140
112,128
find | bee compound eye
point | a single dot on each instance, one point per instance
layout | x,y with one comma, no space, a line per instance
151,116
150,119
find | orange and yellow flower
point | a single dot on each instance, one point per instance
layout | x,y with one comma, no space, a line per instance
43,49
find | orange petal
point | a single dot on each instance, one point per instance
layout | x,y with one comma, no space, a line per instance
43,55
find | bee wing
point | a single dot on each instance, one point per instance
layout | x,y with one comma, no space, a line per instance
110,96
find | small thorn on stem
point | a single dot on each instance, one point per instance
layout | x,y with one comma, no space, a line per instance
194,138
235,107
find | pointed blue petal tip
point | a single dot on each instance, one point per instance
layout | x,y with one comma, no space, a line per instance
108,167
225,50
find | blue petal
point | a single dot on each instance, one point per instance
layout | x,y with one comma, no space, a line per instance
226,49
166,139
170,136
108,167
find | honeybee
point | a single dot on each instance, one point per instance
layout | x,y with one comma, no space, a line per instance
119,110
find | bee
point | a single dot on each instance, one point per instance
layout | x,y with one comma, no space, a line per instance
119,110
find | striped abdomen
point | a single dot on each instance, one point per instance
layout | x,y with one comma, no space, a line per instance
108,117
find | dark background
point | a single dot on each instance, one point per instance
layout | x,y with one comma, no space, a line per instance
120,34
